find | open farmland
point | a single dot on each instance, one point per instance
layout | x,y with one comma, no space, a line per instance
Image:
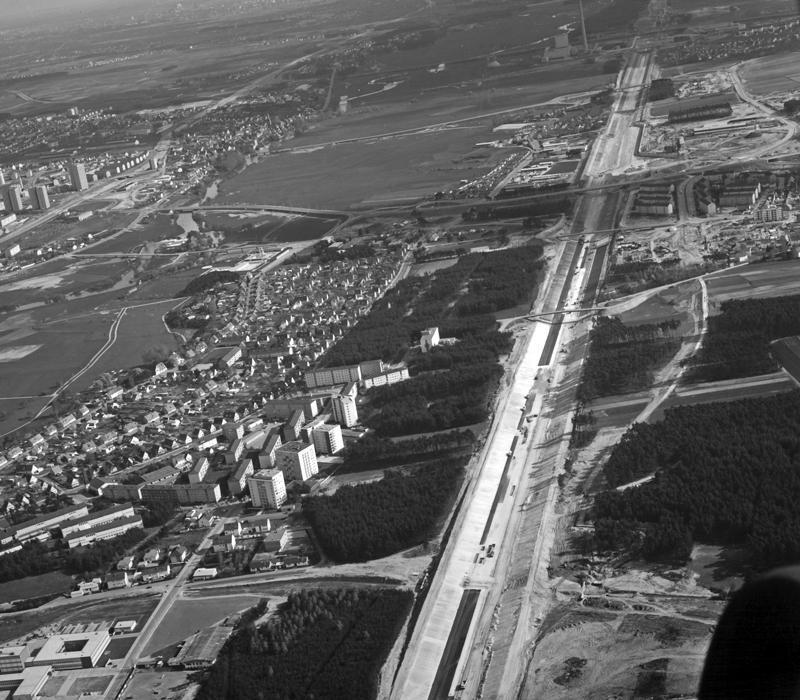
61,348
773,74
383,172
58,276
56,230
754,281
282,228
140,328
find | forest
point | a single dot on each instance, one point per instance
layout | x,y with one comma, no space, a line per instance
324,644
622,358
738,340
726,473
35,558
373,520
451,384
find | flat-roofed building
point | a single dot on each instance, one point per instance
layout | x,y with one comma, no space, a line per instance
327,439
12,659
296,460
25,685
65,652
105,531
94,520
201,651
429,339
41,526
268,488
345,410
390,376
329,376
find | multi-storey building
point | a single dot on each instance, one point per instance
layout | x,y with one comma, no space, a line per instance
267,488
237,483
345,411
77,176
327,439
296,460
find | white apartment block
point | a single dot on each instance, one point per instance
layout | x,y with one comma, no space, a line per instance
296,460
345,411
268,488
327,439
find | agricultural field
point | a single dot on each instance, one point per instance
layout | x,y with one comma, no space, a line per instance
140,328
754,281
770,74
56,230
189,615
58,347
706,11
385,172
278,228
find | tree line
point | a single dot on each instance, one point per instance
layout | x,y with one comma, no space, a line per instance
207,281
737,343
373,520
725,473
324,644
622,358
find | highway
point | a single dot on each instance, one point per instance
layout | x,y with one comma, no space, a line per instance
456,647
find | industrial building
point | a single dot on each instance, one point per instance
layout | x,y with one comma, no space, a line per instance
201,650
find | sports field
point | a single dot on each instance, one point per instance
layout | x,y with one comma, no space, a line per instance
188,616
773,74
